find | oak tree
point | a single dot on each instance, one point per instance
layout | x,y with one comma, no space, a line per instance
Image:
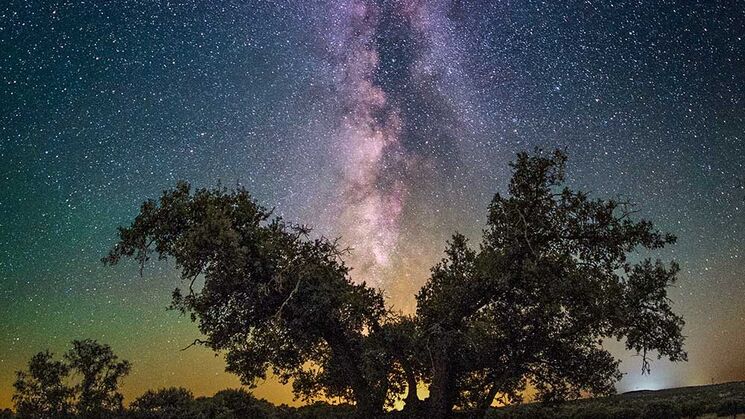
266,294
554,276
41,390
100,373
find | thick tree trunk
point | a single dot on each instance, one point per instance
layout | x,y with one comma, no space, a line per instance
369,403
489,399
442,390
412,401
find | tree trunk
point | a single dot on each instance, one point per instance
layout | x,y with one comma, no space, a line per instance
442,390
412,401
489,399
369,403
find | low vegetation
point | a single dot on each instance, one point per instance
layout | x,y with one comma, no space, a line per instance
721,400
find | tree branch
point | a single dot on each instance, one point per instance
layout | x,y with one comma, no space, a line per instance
196,342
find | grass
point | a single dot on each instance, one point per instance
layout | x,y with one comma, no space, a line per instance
710,401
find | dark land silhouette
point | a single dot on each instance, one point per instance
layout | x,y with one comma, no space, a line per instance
717,400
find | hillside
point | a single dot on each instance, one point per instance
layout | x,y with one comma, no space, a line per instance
714,400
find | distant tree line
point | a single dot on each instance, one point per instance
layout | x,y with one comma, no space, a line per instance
531,305
721,400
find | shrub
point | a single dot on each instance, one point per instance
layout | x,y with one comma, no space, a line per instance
731,407
322,410
694,408
167,403
238,403
598,411
661,410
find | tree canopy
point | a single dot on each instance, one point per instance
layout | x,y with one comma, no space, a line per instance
556,273
551,279
41,391
47,389
272,298
100,372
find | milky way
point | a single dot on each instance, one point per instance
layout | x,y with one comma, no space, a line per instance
391,63
368,147
388,123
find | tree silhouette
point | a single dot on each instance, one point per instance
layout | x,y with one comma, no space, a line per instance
404,346
100,371
551,279
239,403
167,403
272,299
41,391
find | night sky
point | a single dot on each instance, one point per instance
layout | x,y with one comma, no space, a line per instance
389,123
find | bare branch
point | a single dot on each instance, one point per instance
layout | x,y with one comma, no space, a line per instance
289,297
196,342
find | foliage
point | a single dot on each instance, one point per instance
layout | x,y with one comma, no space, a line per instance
551,279
707,400
180,403
272,299
100,371
237,403
167,403
693,408
661,410
41,391
322,410
688,402
731,407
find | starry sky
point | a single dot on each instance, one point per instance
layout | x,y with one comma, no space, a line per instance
388,123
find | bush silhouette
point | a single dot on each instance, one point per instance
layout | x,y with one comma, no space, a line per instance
167,403
661,410
694,408
731,407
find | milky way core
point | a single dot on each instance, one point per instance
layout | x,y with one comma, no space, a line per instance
377,81
368,148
